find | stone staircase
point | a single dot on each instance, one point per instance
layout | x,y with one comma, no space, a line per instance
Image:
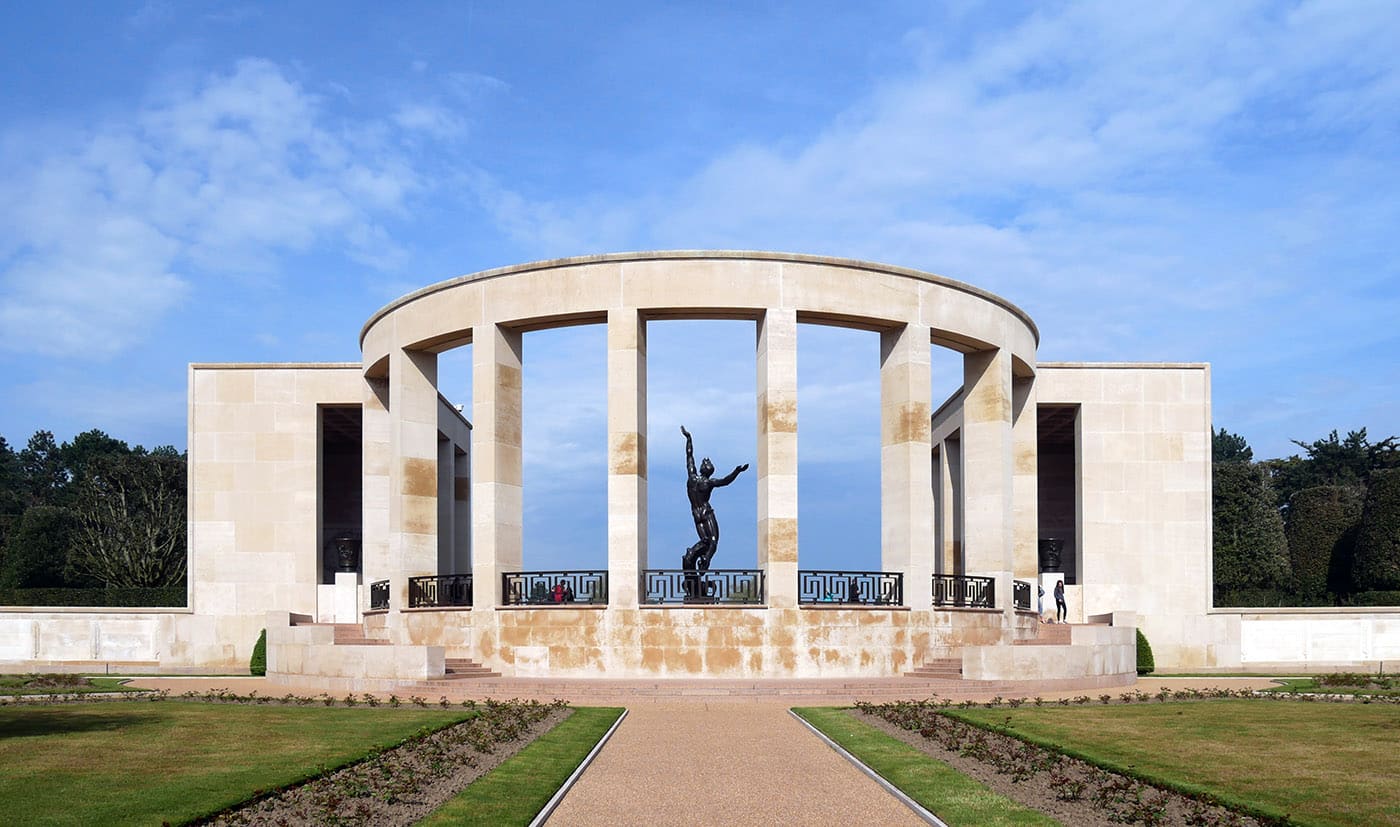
948,667
464,668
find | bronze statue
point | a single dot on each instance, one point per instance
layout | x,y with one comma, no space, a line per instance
698,486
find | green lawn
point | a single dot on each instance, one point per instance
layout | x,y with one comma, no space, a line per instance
516,791
140,762
942,790
1321,763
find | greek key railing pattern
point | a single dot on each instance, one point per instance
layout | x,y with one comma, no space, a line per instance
965,592
875,588
378,595
553,588
437,591
1021,595
743,587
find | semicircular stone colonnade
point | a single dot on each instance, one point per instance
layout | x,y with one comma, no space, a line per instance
910,310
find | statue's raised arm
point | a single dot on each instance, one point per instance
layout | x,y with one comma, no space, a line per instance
689,453
732,475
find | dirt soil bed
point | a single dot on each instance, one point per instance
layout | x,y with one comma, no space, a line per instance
1104,799
402,785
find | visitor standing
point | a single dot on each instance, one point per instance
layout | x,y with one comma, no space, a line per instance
1061,609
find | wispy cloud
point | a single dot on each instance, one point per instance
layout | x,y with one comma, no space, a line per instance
104,233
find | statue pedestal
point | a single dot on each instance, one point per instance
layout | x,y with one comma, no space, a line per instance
345,598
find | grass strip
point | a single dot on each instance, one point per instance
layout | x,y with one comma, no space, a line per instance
137,762
518,789
1313,763
1291,685
952,796
32,685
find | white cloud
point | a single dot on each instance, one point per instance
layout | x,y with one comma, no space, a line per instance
104,234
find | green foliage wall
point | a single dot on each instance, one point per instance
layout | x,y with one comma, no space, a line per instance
1251,551
36,551
1322,526
1378,539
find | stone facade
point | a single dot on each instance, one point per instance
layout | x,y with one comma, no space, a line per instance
1114,457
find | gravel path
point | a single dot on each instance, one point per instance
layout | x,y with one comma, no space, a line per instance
731,764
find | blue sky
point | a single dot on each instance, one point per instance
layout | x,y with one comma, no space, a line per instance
237,182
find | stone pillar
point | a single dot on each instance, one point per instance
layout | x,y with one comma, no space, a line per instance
987,471
495,458
953,506
446,505
413,473
461,512
1025,493
906,477
627,455
777,454
375,560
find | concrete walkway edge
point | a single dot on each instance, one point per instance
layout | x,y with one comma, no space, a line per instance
569,782
904,799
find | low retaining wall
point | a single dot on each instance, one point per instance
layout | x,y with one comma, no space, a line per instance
1319,639
311,651
1106,652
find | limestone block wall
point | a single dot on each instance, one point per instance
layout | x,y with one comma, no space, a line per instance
1144,491
695,642
297,650
1321,639
253,489
87,640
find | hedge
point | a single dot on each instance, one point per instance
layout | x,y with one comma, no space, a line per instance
1378,540
1322,526
163,597
1251,551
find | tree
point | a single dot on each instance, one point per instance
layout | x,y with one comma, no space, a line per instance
131,520
79,452
1348,460
1378,539
1322,526
1250,549
11,491
37,548
1228,447
45,478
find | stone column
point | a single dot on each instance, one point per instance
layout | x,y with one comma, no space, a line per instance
461,512
777,454
413,473
495,457
446,505
906,477
375,562
1025,495
627,455
987,471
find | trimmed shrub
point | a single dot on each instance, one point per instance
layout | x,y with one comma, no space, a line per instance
1378,539
164,597
1145,664
1322,526
257,664
1250,549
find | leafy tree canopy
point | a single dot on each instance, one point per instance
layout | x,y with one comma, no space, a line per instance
1228,447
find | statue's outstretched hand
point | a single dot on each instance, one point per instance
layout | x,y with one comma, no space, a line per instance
741,468
684,431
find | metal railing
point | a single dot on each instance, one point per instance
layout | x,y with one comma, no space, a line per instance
378,595
553,588
439,590
875,588
962,591
743,587
1021,595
